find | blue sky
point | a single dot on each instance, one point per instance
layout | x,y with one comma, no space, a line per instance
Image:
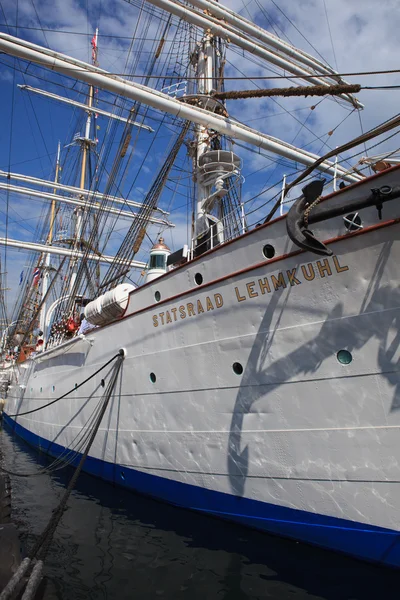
364,38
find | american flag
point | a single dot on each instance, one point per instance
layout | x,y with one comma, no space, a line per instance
36,276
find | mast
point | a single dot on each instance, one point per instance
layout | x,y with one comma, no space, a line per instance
205,74
47,260
215,168
86,142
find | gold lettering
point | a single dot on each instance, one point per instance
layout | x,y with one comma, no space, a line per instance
155,321
173,310
161,315
168,317
219,301
325,267
311,274
339,269
280,282
182,312
250,289
264,285
292,277
209,304
200,308
190,309
238,296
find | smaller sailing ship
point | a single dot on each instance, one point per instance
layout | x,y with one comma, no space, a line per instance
260,380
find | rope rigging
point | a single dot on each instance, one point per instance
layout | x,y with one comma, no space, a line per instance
102,226
135,235
163,66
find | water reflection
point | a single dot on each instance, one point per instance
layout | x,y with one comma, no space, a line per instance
112,544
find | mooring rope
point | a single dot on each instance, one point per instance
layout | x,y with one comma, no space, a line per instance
71,452
28,412
40,549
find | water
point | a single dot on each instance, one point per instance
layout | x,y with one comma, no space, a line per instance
112,544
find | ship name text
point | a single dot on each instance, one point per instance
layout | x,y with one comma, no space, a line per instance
252,289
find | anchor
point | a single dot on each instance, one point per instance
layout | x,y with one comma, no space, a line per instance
296,228
300,217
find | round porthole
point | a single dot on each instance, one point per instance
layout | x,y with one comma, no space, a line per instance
153,377
352,222
237,368
157,296
269,251
344,357
198,278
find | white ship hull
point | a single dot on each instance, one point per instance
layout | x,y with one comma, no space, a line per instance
298,444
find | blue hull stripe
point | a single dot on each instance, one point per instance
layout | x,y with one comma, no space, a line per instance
367,542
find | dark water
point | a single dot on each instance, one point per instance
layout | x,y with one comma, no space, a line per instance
114,544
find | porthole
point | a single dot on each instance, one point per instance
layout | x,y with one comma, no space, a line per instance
54,388
157,296
41,389
352,222
269,251
153,377
198,278
237,368
344,357
102,383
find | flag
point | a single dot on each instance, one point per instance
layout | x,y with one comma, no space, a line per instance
94,46
21,277
36,277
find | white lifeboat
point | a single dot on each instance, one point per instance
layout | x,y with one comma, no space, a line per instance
110,306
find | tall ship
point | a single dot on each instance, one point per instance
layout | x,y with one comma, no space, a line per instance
253,313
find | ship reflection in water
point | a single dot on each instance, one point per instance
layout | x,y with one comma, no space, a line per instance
114,544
